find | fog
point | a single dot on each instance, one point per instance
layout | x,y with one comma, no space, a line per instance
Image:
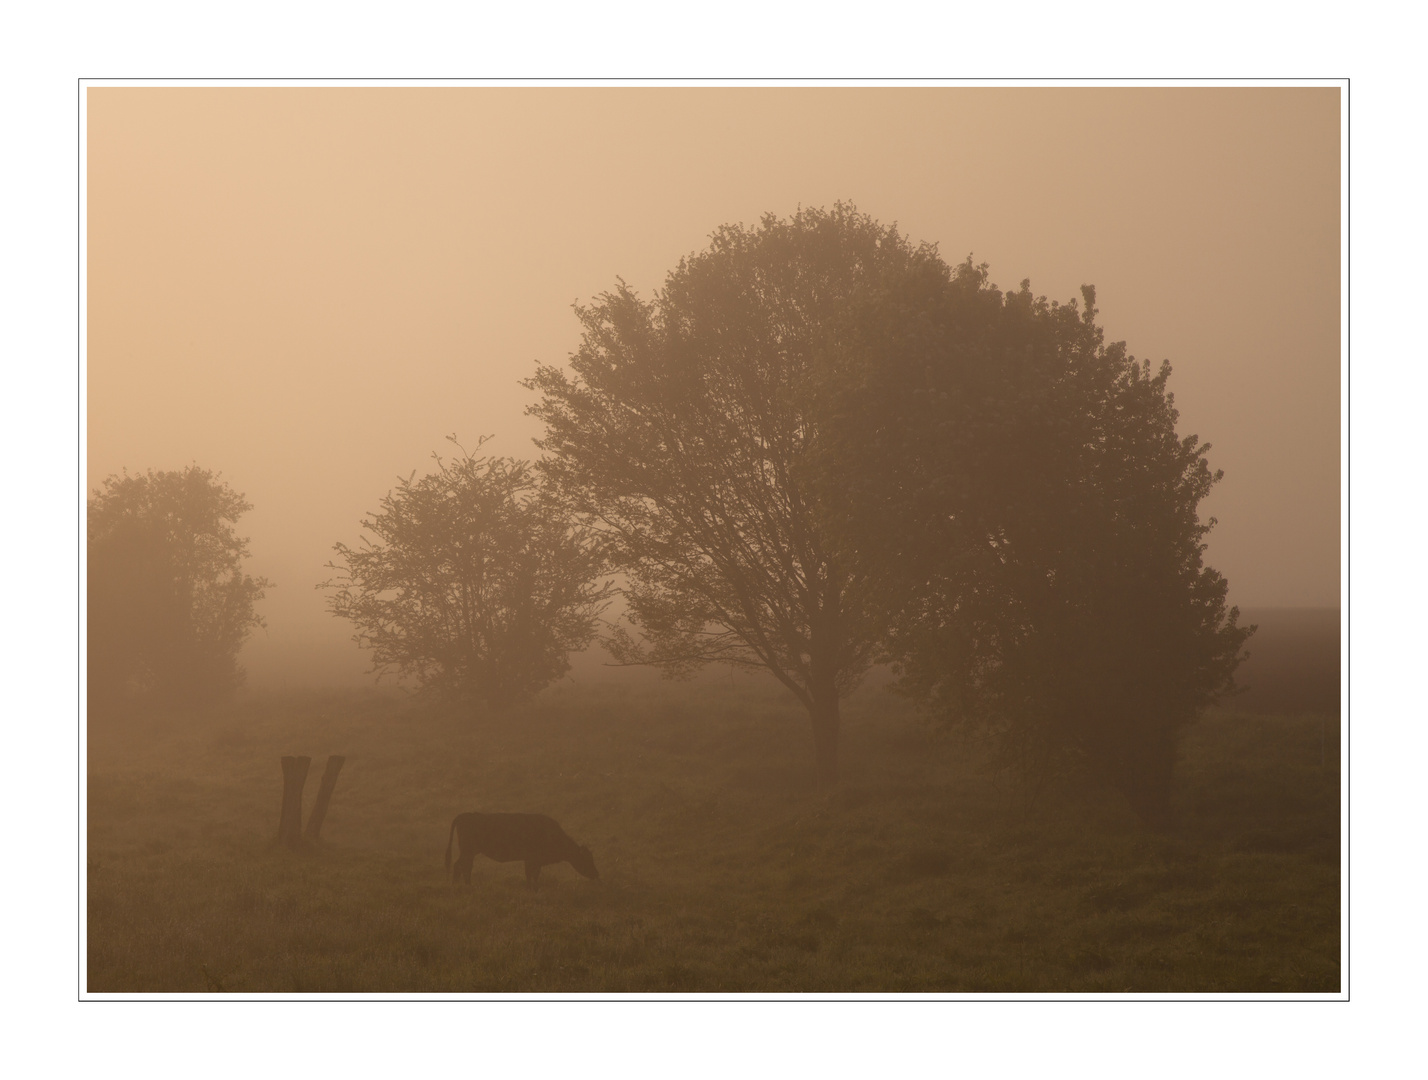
308,289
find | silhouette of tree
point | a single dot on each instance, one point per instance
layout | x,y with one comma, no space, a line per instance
1017,492
168,603
684,436
476,585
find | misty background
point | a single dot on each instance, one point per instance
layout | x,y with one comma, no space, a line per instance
307,289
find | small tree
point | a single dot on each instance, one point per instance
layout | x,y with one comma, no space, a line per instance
169,606
1017,489
475,585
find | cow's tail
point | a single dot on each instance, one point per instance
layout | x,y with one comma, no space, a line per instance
449,839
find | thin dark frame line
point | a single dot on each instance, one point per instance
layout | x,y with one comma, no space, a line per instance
78,533
482,83
525,999
1345,768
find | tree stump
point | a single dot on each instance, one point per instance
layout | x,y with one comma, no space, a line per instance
294,777
324,795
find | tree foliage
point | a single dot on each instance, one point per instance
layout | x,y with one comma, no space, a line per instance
1018,492
168,603
684,434
472,582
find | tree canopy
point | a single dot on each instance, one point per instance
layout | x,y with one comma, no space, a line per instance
684,433
168,603
1018,491
471,582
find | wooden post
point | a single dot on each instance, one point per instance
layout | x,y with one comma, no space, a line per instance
294,777
324,795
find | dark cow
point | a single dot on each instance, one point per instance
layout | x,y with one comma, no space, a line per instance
533,839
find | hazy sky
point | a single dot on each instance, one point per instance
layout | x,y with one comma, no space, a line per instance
307,289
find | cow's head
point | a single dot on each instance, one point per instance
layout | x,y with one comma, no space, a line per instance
584,862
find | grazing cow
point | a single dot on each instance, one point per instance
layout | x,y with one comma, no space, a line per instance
532,838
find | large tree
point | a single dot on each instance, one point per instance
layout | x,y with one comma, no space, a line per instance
1018,491
168,603
684,432
471,582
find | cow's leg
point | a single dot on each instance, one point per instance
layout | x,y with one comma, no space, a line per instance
462,873
532,873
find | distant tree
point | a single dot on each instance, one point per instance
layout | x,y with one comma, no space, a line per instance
168,603
475,584
1018,493
684,432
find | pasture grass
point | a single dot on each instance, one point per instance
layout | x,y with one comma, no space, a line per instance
725,868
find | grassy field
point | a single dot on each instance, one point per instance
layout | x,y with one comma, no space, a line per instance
725,868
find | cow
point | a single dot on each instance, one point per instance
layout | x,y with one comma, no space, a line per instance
532,838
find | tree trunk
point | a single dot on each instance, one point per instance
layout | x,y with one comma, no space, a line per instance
294,777
823,690
324,795
825,734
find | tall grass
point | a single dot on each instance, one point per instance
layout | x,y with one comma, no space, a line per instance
725,867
